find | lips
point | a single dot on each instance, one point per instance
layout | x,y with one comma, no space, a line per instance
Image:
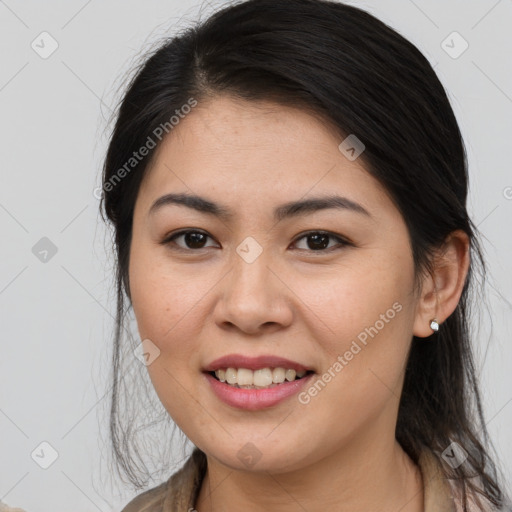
255,363
256,399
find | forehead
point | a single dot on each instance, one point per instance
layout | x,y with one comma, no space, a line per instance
256,153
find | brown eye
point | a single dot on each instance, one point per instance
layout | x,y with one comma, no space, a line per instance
318,241
192,239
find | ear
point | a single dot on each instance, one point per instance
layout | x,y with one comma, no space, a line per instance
441,289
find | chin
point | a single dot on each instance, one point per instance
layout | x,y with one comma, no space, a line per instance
257,456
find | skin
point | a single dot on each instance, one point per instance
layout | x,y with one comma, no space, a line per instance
337,452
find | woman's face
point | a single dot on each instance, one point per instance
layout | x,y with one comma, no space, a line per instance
257,281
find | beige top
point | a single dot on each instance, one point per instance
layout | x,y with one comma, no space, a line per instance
180,492
6,508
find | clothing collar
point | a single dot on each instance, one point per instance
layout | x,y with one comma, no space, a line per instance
184,486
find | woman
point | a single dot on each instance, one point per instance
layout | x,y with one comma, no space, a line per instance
287,183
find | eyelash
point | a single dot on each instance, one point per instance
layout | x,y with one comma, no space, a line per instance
169,240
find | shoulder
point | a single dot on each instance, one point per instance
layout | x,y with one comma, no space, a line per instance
149,501
475,501
179,492
5,508
444,494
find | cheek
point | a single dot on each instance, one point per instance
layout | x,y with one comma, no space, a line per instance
161,294
166,303
365,332
358,301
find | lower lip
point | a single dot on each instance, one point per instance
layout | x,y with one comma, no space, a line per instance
254,399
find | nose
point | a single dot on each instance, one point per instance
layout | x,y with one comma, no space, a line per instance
254,298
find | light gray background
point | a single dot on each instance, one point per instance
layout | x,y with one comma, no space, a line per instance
56,317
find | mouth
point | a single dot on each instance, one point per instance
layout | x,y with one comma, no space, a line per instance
253,397
263,378
253,383
258,372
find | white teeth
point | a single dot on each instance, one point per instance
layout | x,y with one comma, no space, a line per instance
262,378
278,375
244,377
231,376
290,375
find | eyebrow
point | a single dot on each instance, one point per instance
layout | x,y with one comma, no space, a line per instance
286,210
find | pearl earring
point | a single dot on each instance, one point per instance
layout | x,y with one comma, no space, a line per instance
434,325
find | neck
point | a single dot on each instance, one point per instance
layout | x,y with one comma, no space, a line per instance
357,479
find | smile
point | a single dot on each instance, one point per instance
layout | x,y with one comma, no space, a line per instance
263,378
252,398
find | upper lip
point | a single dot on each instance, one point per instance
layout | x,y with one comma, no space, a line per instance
254,363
